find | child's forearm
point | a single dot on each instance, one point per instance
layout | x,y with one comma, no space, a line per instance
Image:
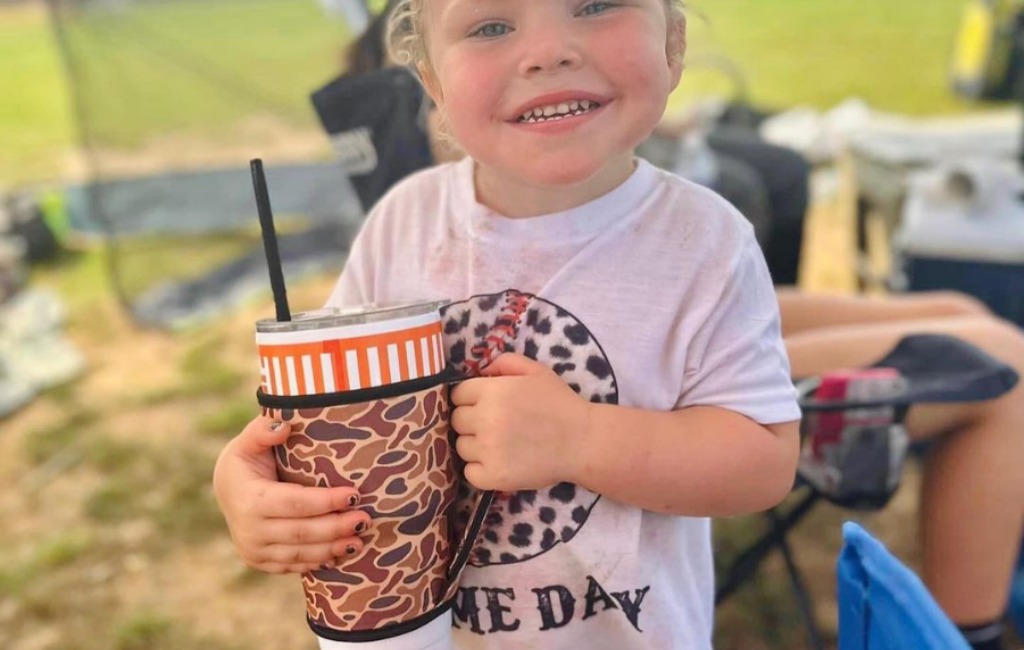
698,461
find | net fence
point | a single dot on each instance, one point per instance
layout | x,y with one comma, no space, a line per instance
172,100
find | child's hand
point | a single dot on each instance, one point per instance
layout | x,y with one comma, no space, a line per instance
282,527
519,427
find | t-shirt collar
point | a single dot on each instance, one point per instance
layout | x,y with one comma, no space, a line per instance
580,222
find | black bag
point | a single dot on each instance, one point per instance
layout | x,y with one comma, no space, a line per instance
377,126
27,223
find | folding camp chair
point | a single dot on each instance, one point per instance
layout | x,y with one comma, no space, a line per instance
883,605
934,369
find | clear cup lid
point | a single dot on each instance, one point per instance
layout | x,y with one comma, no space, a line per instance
341,317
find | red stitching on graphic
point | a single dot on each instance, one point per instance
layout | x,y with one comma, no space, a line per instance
506,326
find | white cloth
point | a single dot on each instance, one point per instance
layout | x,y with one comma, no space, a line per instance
658,297
435,635
353,12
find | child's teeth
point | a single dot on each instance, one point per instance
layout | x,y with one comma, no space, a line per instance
559,111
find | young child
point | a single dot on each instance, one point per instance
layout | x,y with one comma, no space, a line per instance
634,381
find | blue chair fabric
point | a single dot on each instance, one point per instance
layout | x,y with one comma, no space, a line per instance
883,605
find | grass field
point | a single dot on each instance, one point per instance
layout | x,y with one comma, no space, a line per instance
35,126
149,71
199,67
894,55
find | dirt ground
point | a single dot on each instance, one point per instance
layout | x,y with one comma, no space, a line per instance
111,538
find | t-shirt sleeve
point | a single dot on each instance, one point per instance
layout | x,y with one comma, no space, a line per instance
739,360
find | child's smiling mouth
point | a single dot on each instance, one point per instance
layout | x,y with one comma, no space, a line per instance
559,111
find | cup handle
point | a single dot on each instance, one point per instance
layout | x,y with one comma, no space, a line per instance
476,519
465,546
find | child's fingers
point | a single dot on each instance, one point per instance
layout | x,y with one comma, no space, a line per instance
467,392
478,478
509,364
309,554
464,419
468,447
316,530
292,500
261,434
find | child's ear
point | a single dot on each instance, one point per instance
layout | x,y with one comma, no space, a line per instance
430,83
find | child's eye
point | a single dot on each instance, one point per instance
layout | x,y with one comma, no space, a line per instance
491,30
595,8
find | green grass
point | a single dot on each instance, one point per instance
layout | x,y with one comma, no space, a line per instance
199,67
143,631
151,630
229,419
145,261
51,553
46,443
190,68
35,126
894,55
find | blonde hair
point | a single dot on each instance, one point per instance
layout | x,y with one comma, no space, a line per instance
406,39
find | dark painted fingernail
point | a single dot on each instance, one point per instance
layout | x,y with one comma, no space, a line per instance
361,526
275,425
353,500
351,549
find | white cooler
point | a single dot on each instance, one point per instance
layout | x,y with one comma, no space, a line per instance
962,228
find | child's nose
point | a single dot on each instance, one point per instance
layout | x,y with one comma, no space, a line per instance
550,52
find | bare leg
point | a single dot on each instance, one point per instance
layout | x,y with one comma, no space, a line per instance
803,311
972,505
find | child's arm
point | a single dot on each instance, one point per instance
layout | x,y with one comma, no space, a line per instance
523,427
281,527
701,460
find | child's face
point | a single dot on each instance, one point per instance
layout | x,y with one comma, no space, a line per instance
492,61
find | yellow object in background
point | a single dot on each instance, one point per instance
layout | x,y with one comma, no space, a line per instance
985,60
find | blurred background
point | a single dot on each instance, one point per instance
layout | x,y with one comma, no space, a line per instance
131,274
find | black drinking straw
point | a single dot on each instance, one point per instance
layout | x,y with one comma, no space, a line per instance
259,185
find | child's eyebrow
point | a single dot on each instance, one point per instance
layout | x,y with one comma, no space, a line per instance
458,8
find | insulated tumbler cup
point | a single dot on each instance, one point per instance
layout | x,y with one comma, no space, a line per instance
365,391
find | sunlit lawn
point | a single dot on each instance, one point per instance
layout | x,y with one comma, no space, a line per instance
35,126
149,69
894,55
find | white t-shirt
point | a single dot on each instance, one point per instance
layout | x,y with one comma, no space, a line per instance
654,295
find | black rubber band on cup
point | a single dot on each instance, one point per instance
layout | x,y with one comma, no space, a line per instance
341,398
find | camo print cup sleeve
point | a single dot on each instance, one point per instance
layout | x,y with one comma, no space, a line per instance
386,433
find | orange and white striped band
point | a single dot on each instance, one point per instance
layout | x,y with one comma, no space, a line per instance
315,362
